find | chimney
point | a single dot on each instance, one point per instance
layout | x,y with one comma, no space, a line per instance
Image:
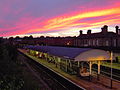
117,29
102,29
81,32
105,29
89,32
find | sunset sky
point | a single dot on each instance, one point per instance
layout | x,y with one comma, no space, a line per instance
57,17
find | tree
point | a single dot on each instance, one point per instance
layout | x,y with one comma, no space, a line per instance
11,76
30,37
17,37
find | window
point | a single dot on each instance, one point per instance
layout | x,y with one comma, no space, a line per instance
97,42
114,42
107,43
93,42
89,42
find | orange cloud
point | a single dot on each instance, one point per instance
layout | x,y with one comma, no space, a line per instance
65,21
75,20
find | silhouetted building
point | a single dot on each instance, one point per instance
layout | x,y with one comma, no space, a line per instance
103,38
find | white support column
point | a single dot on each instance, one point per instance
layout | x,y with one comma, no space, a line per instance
98,67
78,63
82,65
70,63
59,60
98,70
90,65
66,65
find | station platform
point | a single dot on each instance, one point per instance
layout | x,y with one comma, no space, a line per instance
102,84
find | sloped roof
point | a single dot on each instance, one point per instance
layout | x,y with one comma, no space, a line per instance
59,51
93,55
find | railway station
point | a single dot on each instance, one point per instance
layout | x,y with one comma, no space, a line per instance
76,61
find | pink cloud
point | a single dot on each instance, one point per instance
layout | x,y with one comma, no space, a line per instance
21,20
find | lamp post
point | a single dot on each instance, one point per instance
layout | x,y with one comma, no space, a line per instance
111,58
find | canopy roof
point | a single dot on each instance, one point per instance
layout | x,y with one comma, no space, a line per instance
78,54
93,55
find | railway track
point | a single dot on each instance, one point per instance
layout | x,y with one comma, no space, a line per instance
107,72
52,79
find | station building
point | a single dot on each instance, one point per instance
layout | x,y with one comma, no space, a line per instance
100,39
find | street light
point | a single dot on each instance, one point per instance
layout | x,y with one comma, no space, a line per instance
111,58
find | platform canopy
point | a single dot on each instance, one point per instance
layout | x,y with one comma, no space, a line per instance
77,54
93,55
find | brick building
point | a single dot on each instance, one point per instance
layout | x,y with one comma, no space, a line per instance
103,38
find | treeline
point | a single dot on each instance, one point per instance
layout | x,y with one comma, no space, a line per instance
11,77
